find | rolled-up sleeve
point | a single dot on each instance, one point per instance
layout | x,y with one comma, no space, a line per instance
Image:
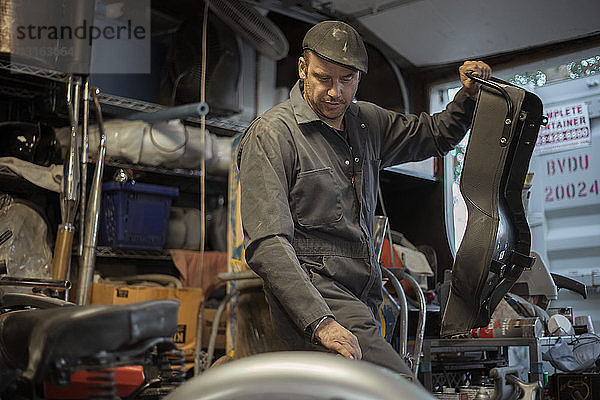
408,137
266,163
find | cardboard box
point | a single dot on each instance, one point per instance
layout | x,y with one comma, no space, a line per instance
207,320
187,316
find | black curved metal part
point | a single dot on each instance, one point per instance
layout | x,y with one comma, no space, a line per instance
494,83
564,282
496,245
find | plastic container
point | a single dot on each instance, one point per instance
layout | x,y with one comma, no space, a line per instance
135,215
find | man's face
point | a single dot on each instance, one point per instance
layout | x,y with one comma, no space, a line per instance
329,88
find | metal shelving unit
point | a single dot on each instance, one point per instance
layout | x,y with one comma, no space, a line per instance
189,173
118,104
112,103
18,68
448,346
17,92
123,103
110,252
28,82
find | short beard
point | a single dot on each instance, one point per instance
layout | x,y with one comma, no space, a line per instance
315,107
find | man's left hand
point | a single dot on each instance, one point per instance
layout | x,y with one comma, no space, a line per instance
479,69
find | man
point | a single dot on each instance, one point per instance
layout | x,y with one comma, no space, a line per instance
309,171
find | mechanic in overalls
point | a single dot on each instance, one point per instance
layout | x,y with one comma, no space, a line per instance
309,170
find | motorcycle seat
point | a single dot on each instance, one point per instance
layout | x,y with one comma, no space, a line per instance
34,341
496,245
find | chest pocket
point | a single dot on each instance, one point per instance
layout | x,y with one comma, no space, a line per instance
317,197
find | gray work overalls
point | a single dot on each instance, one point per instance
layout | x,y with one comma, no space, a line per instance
308,203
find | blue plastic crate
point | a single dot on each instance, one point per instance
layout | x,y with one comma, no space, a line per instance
135,215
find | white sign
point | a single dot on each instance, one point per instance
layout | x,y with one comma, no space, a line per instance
568,128
571,179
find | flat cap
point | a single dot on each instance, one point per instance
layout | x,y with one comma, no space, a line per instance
338,42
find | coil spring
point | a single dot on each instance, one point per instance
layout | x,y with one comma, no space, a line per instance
203,361
101,384
172,364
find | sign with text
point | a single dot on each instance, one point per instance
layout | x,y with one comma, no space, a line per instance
571,179
568,128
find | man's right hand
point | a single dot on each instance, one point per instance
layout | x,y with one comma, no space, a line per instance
335,337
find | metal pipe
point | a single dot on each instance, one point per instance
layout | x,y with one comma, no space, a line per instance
230,276
215,326
402,304
35,282
75,102
420,334
528,391
84,159
403,311
493,83
501,389
70,189
179,112
86,272
70,192
245,283
403,87
401,296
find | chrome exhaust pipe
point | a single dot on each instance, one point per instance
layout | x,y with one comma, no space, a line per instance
69,197
88,258
84,159
420,334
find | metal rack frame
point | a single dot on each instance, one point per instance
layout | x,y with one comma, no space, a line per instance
534,345
117,105
19,68
189,173
119,102
112,252
113,101
17,92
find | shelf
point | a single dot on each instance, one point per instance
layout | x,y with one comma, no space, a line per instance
119,104
137,254
178,172
18,68
25,82
124,103
17,92
190,173
227,124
